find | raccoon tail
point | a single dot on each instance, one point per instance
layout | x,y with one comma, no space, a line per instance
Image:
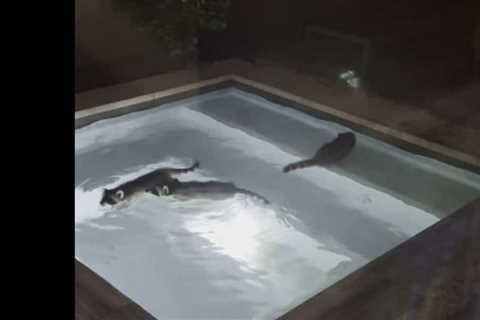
299,165
195,165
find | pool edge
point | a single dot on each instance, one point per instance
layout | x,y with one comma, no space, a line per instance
393,136
401,139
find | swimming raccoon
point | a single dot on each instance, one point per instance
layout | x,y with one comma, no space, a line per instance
207,189
328,154
142,184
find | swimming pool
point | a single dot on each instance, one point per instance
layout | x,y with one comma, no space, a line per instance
238,257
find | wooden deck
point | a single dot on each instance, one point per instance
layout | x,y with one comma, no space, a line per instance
96,299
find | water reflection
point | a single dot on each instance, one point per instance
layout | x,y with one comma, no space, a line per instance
234,257
273,264
290,265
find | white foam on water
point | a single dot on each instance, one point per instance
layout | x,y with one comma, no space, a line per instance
87,202
87,205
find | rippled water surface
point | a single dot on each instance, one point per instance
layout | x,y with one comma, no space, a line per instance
234,257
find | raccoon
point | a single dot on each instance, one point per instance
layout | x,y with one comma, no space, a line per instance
145,183
328,154
207,189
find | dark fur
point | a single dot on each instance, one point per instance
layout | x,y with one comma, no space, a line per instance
209,189
328,154
145,183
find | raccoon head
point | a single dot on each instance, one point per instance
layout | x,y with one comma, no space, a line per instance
345,134
112,197
349,136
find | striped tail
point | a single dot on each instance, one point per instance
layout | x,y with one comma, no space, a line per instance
299,165
185,170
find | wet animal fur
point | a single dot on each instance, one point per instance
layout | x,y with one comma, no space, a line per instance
142,184
208,189
328,154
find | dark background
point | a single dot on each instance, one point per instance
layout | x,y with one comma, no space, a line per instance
420,47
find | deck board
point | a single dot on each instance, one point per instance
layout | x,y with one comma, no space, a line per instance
96,299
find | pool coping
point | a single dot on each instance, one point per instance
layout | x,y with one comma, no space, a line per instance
401,139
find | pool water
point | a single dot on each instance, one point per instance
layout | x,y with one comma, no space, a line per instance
238,257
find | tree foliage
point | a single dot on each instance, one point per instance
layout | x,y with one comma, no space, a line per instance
176,22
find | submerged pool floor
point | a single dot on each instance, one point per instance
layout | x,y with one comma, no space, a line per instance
232,258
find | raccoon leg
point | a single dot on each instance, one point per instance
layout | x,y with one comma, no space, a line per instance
154,191
165,190
162,190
